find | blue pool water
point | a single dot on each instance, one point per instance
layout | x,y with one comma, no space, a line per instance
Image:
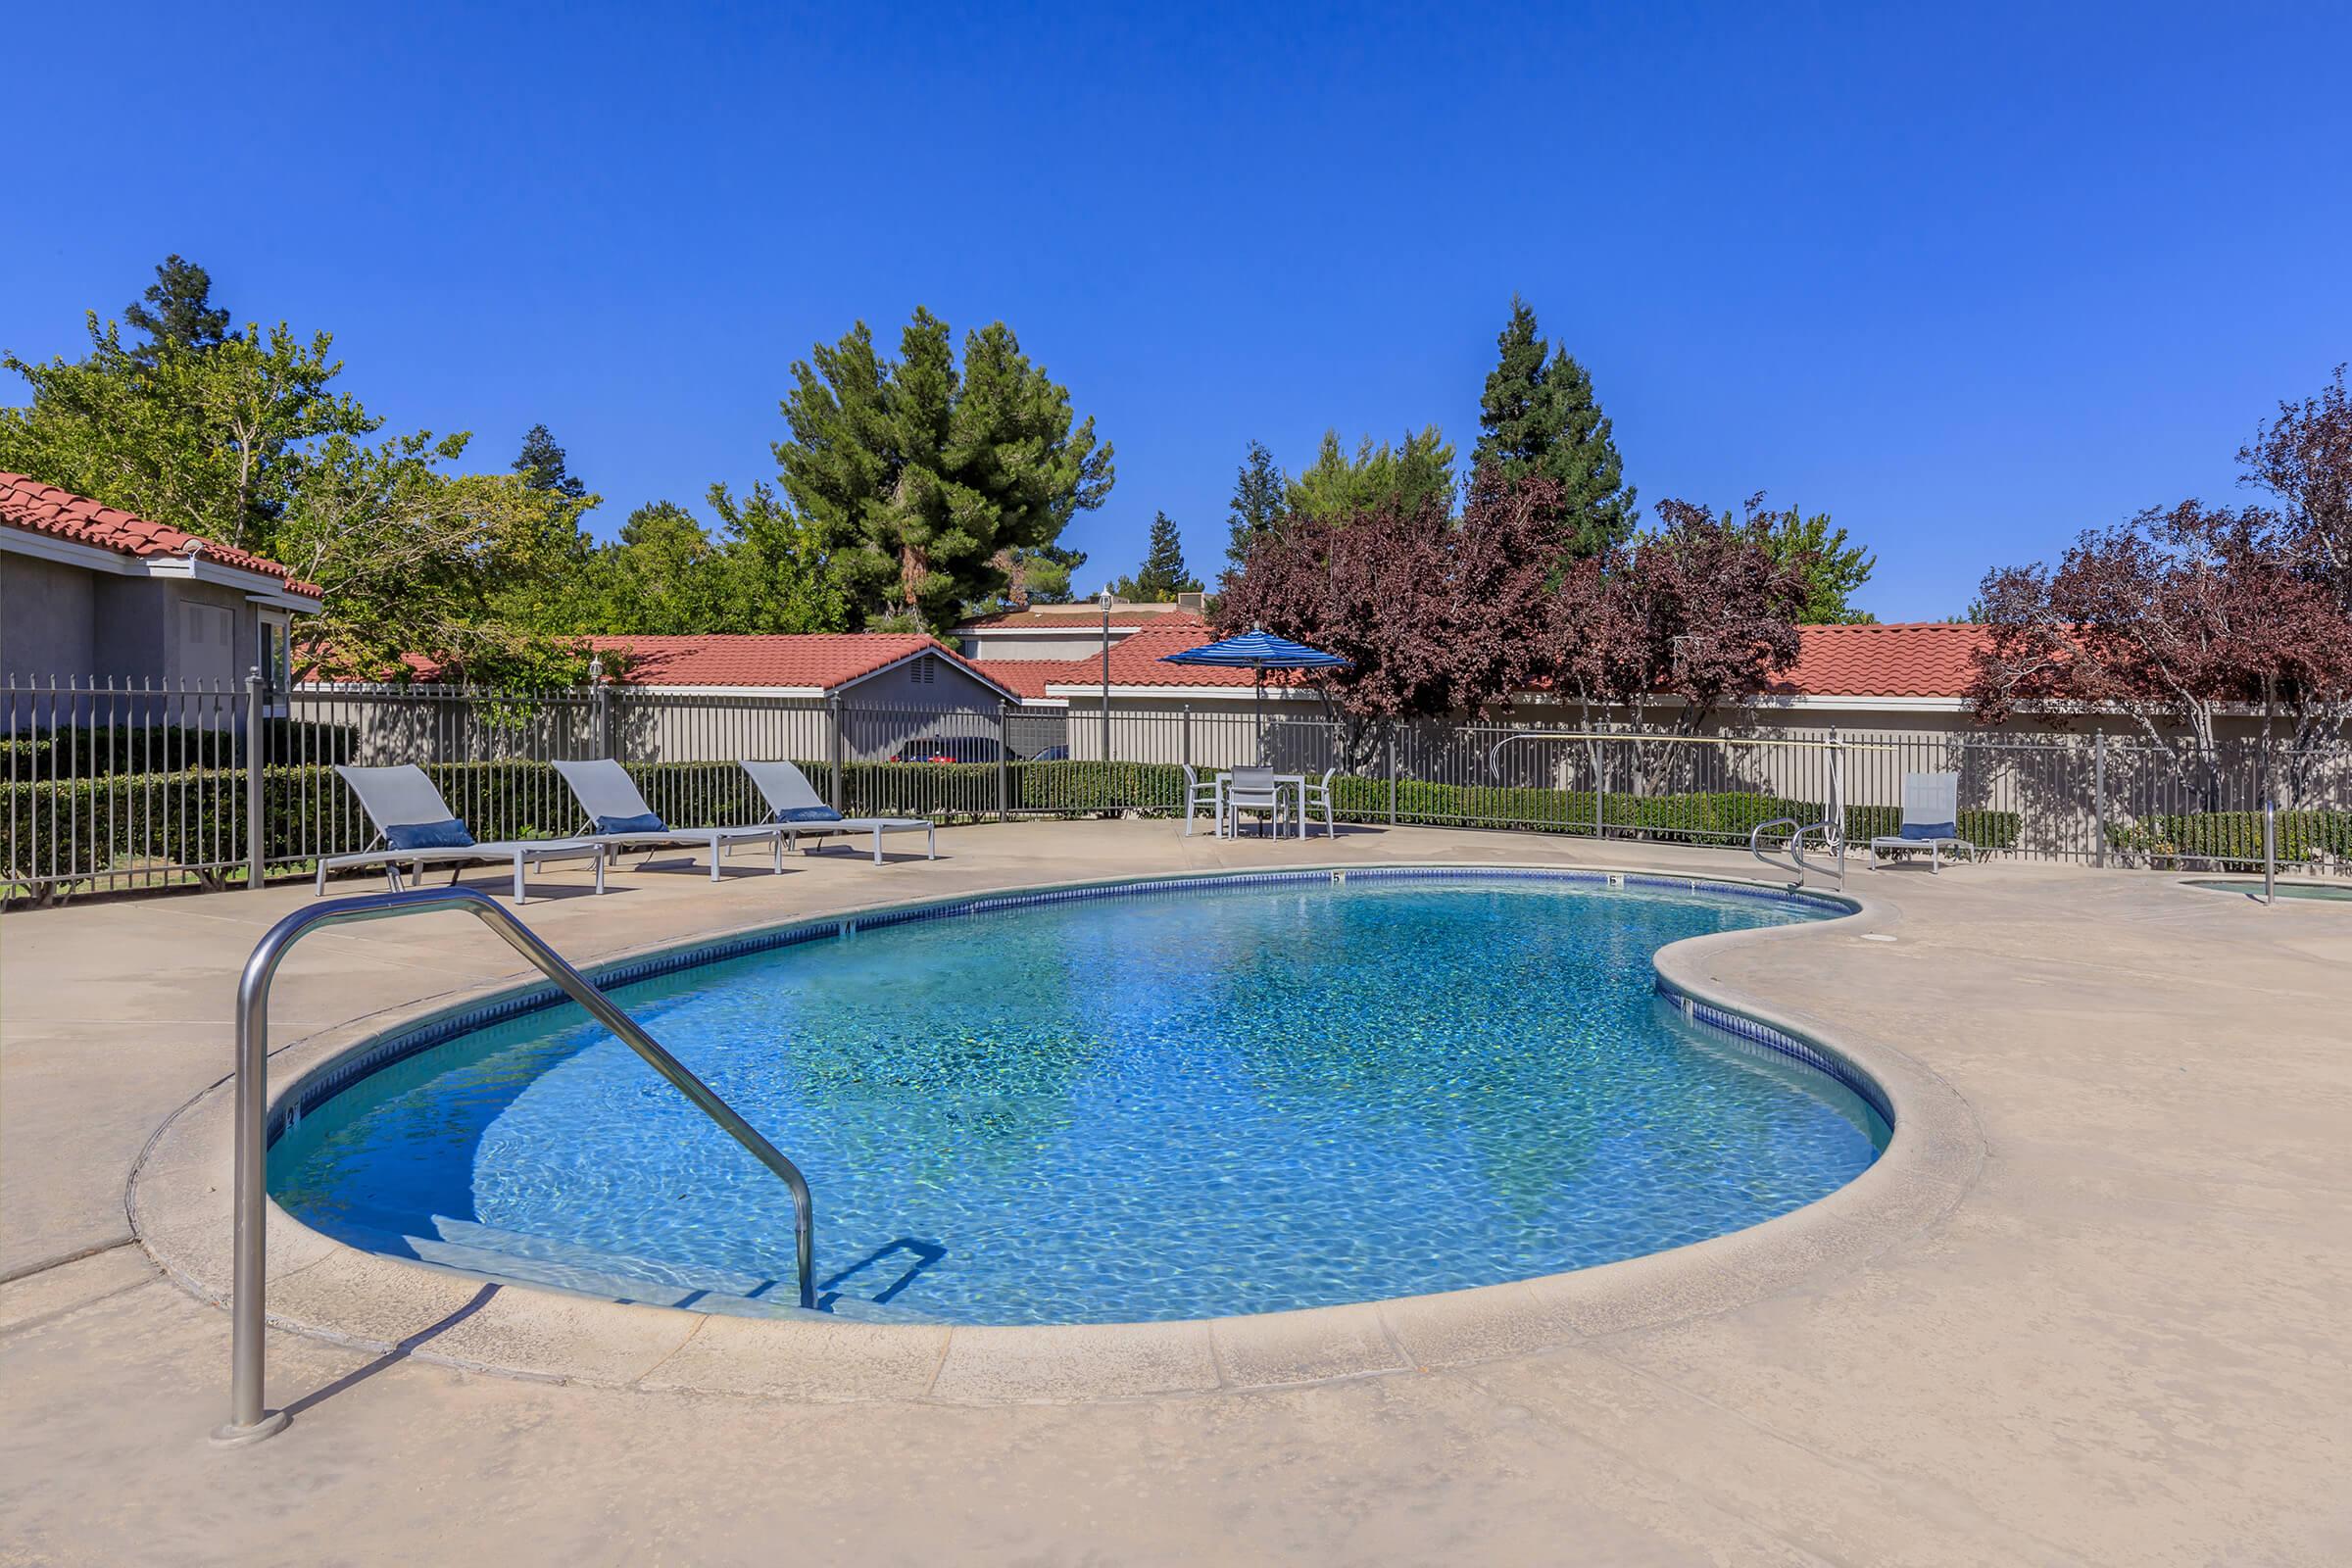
1155,1107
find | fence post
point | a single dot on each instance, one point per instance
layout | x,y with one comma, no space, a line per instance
2270,849
1836,812
256,851
2098,798
833,708
1187,709
1391,772
1003,760
1601,791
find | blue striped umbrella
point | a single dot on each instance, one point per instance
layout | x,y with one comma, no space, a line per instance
1258,651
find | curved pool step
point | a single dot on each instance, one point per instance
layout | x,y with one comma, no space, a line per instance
470,1247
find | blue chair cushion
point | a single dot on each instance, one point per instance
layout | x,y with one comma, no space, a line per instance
807,813
448,835
645,822
1930,830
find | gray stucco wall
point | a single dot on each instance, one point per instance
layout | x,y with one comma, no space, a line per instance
59,620
48,620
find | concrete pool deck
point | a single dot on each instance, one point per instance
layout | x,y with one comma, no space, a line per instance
2119,1340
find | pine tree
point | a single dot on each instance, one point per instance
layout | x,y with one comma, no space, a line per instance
1538,416
1833,567
1257,507
921,475
1162,575
1033,574
184,314
542,465
1405,479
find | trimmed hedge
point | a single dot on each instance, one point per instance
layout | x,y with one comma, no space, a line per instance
2234,838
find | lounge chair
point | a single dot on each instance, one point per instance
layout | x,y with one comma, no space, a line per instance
799,810
617,816
1930,821
415,828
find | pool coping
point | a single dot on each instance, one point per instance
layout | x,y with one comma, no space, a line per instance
178,1206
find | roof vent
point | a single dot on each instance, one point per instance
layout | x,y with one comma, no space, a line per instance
1196,602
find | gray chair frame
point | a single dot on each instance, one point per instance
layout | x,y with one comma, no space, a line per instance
785,788
603,789
402,796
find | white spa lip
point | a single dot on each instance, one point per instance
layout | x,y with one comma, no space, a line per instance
180,1210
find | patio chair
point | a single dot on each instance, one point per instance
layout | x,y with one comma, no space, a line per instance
797,808
1930,821
415,828
617,816
1317,793
1199,791
1252,788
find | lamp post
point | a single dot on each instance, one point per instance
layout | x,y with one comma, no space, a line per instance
1105,600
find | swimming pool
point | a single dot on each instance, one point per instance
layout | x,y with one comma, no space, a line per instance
1151,1102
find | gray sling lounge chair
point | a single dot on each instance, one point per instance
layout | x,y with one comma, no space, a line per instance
799,810
617,816
415,828
1930,821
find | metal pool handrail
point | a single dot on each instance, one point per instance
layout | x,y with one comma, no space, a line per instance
1796,845
247,1419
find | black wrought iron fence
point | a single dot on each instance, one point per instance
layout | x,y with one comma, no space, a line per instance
115,786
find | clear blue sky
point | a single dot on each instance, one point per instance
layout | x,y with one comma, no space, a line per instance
1969,279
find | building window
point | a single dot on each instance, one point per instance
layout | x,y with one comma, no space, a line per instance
277,669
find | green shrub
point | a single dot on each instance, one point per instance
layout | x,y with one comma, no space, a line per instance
2233,839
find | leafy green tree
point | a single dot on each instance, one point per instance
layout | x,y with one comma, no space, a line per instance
778,577
921,473
1403,479
416,557
210,437
663,575
1257,506
1538,416
1834,568
177,310
1162,575
542,464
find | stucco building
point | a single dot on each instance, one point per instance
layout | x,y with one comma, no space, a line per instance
91,593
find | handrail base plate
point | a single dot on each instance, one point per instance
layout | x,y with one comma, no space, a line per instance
229,1435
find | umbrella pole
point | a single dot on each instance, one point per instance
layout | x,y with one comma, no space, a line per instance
1259,671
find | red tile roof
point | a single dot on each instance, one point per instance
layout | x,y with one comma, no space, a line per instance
26,502
1081,617
1027,678
823,660
1902,659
